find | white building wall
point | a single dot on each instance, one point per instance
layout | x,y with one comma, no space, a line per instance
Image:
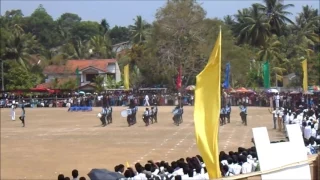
118,73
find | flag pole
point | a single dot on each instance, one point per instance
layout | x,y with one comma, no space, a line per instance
179,90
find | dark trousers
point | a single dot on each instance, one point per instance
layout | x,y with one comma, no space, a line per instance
109,118
155,117
228,117
146,119
22,120
103,120
244,119
222,119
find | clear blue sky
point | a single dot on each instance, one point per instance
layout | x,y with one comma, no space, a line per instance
122,12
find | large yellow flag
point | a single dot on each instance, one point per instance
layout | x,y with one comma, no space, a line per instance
305,75
207,111
126,76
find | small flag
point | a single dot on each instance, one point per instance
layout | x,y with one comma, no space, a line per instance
127,164
227,76
126,77
266,75
78,77
305,75
179,79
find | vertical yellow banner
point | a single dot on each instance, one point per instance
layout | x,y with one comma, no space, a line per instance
207,111
305,75
126,76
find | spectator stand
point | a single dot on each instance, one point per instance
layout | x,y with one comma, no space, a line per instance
49,97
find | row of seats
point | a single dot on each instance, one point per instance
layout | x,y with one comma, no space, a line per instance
80,108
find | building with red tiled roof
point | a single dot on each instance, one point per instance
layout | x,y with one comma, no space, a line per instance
88,70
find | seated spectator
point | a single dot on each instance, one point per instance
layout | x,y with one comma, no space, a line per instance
75,174
60,177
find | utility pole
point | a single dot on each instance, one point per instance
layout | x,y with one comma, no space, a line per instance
2,78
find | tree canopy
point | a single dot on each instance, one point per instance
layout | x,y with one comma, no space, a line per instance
180,36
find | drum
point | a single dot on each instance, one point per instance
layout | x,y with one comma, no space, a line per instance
129,111
99,115
124,113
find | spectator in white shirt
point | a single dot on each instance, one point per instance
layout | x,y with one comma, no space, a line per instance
316,125
236,168
146,101
140,175
75,174
189,175
198,174
313,131
274,117
246,167
307,131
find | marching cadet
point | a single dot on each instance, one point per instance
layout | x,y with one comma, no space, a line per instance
23,115
146,116
228,111
155,113
151,114
109,114
103,116
222,116
243,114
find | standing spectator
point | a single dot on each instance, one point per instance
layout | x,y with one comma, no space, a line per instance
146,100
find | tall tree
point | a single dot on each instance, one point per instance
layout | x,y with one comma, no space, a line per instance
119,34
277,14
139,30
41,24
20,46
253,26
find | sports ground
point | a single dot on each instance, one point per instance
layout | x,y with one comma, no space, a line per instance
56,141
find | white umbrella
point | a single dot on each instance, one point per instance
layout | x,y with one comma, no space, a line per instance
272,91
191,88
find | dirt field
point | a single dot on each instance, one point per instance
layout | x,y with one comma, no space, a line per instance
55,141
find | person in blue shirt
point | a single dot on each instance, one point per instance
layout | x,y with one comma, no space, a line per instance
23,115
222,116
103,116
243,114
134,110
228,111
109,114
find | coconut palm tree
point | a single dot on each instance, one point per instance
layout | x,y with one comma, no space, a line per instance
270,50
307,23
277,14
101,46
139,30
252,26
99,83
20,46
78,49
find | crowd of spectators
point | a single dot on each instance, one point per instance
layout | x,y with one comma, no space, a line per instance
74,174
193,168
121,98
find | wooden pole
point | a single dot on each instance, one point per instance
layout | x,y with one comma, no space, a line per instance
318,166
